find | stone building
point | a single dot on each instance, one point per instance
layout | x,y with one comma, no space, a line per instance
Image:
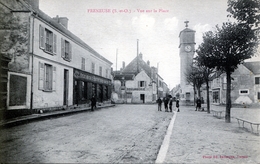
245,85
50,67
137,82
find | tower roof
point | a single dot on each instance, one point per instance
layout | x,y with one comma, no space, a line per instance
187,30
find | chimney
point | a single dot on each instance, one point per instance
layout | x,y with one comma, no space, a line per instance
123,64
148,63
61,20
141,55
34,4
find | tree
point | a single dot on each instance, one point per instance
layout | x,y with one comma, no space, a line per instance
194,77
232,43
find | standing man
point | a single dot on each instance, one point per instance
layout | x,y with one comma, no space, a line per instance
93,103
170,104
177,105
166,104
198,102
159,101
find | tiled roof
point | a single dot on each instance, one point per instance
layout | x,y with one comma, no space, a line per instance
253,67
124,76
40,14
142,65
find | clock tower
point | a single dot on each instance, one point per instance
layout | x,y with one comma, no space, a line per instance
187,50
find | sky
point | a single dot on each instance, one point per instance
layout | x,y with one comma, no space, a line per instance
156,25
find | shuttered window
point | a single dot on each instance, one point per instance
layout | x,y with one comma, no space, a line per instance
83,64
141,84
47,77
257,80
48,40
100,71
66,50
93,68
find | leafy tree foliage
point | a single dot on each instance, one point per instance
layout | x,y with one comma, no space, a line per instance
232,43
194,77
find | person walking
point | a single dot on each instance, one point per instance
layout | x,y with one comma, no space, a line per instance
178,105
159,101
166,104
170,105
198,104
93,103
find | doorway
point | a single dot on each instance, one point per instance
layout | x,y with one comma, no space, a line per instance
142,97
66,87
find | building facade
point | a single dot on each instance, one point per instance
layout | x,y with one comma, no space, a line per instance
137,83
50,67
245,85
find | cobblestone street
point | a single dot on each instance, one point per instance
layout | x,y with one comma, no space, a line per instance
125,133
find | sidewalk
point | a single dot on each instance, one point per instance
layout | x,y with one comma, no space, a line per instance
34,117
198,137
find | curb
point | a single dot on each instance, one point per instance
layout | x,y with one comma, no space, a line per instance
38,117
166,141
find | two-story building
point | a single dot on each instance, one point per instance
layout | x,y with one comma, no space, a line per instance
245,85
137,82
50,67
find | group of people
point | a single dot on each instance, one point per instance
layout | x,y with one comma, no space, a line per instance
167,101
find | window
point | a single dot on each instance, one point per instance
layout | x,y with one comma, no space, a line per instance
122,83
257,80
258,95
93,67
48,40
142,84
106,73
244,92
83,64
66,50
47,77
100,71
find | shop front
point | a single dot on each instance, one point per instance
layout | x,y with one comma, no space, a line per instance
87,85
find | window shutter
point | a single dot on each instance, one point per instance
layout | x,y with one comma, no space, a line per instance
62,48
54,43
51,41
41,76
138,84
54,78
144,83
70,52
42,41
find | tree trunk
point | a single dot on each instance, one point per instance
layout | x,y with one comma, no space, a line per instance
194,95
228,97
208,103
199,92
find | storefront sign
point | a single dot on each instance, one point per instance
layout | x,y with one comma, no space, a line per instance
90,77
135,89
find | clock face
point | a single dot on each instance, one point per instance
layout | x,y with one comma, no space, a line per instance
187,48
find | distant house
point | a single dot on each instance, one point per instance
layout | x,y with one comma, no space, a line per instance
137,83
245,85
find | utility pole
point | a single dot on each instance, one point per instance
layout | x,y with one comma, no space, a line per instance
116,59
137,55
157,79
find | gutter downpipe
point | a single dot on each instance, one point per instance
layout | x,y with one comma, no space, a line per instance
31,102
